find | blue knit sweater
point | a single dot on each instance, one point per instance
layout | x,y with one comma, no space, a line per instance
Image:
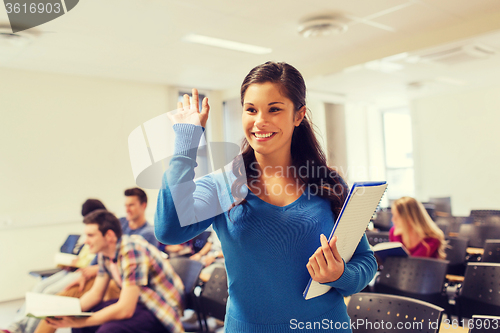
266,248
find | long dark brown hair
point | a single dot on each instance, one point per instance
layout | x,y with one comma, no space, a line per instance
305,149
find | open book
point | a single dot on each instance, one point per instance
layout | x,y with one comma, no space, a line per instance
351,224
390,249
43,305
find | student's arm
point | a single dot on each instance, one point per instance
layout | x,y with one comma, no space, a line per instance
123,309
95,295
181,199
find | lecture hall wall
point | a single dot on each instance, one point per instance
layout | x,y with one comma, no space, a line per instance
457,148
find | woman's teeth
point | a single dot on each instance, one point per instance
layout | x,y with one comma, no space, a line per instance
263,135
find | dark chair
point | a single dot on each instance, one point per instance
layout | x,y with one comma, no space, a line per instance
456,251
483,324
431,209
214,296
375,237
480,291
415,277
444,228
457,222
491,251
189,272
485,216
478,234
383,219
447,224
195,245
442,205
370,310
199,241
72,245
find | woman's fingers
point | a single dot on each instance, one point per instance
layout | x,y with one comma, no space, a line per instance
186,102
335,251
196,98
326,264
327,251
314,265
205,108
188,111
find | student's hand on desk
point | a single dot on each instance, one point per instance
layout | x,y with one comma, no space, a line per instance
188,113
61,322
326,264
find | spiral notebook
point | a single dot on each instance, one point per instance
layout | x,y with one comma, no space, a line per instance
351,224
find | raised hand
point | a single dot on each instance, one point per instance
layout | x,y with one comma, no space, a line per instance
189,113
326,264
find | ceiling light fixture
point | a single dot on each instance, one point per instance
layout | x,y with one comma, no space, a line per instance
226,44
322,26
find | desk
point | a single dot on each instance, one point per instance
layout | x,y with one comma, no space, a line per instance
475,250
454,278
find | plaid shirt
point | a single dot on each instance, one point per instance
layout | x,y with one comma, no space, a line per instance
141,264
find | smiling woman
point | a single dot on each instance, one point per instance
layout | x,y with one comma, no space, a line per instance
271,225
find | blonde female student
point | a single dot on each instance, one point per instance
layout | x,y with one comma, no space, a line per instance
414,228
287,200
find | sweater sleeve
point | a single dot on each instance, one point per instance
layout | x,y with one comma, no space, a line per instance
358,272
184,208
422,251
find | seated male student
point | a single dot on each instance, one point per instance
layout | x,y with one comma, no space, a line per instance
133,224
150,289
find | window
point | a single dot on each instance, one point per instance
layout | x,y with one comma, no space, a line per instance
398,153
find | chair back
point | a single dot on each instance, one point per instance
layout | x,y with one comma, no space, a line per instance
485,216
383,219
456,250
484,324
189,272
456,253
478,234
414,315
375,237
199,241
214,296
480,292
442,205
73,244
491,251
415,275
482,283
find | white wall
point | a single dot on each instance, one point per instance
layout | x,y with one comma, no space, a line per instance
62,139
457,148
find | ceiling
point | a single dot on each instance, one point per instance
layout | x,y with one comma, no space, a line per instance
141,40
